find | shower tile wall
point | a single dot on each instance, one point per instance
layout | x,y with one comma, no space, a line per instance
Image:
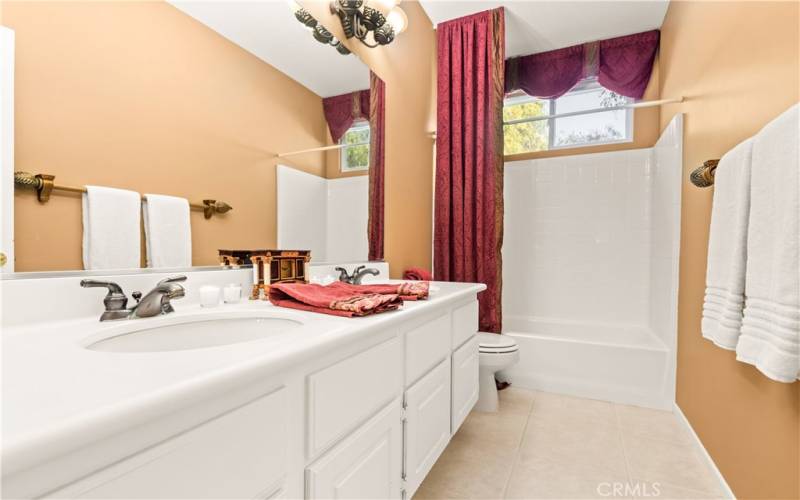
665,237
577,238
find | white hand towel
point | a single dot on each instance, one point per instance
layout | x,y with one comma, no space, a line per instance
723,307
111,228
167,231
770,337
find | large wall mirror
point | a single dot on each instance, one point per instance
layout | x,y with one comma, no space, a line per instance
219,104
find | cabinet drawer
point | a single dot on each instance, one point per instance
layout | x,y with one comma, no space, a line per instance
465,381
343,395
465,323
241,454
366,464
426,346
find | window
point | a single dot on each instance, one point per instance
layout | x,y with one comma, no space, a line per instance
578,118
355,153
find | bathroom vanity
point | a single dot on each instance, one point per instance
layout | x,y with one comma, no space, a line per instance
305,405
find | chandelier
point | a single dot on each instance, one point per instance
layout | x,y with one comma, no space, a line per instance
373,22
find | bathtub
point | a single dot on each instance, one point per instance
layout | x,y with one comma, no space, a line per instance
621,363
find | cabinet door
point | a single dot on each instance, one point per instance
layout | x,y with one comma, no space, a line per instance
367,464
239,455
465,381
427,425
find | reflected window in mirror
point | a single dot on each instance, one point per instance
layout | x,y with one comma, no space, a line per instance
355,153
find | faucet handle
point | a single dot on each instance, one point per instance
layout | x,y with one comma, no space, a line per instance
115,299
137,296
173,279
343,274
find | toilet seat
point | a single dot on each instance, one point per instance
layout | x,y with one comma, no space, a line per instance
492,343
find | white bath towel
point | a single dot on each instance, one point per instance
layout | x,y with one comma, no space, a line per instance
770,337
723,307
111,228
167,231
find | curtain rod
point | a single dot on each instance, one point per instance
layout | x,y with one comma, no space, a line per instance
321,148
634,105
44,185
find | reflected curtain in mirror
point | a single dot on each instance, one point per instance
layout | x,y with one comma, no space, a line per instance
377,123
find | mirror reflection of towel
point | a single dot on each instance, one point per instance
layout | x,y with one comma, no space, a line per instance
111,228
168,231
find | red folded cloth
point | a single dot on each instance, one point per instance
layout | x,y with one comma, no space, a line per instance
416,290
417,274
343,299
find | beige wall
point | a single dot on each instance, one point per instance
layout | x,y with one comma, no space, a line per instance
407,66
138,95
737,64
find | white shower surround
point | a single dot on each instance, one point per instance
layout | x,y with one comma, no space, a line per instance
590,272
326,216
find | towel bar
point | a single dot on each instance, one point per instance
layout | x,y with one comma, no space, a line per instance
44,185
703,176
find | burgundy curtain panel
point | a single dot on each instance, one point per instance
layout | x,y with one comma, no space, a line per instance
468,213
377,122
623,65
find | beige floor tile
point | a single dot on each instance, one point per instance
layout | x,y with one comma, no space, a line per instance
548,446
492,433
638,422
473,476
562,408
674,464
660,491
548,479
516,401
596,450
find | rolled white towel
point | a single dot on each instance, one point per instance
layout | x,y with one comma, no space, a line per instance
727,248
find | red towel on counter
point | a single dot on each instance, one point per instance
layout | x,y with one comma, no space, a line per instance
417,274
343,299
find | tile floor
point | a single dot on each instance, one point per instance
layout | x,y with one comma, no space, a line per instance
548,446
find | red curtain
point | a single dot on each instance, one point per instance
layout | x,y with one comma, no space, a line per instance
623,65
377,122
468,212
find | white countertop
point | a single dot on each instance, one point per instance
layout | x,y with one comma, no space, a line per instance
58,395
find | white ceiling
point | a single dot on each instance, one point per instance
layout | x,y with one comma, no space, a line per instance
268,30
539,26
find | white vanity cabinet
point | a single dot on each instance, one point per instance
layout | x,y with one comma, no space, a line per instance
367,419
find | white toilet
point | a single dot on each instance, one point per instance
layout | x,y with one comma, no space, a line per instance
497,352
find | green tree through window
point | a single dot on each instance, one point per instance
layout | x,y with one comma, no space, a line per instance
355,156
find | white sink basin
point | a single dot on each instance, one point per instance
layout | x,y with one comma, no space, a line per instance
196,334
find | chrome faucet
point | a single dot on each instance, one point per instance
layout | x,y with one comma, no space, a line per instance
358,274
157,301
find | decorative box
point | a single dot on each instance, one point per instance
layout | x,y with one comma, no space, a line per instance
269,266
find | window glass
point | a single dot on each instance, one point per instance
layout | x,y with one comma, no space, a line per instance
585,124
355,154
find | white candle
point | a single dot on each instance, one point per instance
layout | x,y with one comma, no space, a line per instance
232,293
209,296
